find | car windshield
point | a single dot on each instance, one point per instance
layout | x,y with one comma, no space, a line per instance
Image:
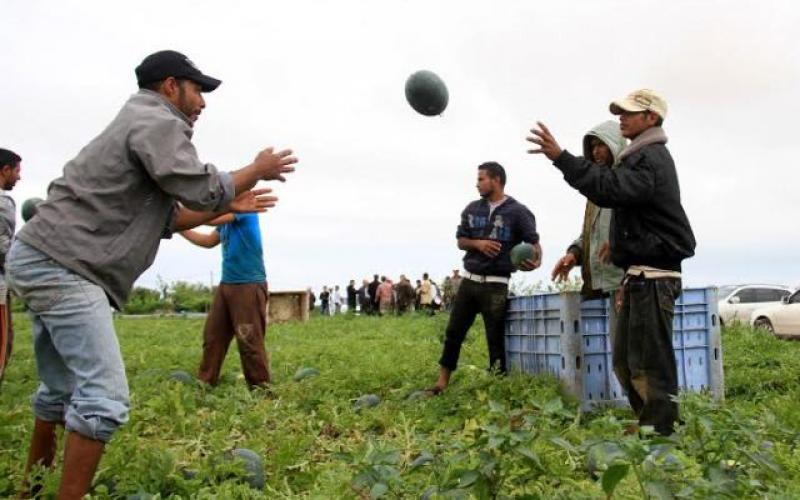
724,291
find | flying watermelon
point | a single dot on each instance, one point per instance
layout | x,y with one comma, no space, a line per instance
426,93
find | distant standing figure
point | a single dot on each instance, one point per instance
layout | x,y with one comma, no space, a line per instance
405,295
352,294
363,297
373,294
337,300
385,297
312,299
426,294
455,282
324,300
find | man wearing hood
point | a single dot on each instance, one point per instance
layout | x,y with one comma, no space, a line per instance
602,145
650,237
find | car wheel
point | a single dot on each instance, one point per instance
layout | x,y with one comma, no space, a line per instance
764,324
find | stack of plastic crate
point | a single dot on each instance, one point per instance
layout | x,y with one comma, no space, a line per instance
697,341
600,385
560,335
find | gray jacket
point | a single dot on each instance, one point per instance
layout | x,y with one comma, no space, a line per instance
105,216
597,276
8,214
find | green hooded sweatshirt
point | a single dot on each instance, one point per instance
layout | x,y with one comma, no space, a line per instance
598,278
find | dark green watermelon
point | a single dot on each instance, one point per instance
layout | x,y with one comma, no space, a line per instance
367,401
522,252
417,395
182,376
253,466
29,208
304,373
602,455
426,93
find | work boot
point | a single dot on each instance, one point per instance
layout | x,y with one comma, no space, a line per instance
81,456
42,453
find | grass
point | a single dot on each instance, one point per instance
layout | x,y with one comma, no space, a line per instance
487,437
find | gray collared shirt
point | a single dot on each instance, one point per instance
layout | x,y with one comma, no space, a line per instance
105,216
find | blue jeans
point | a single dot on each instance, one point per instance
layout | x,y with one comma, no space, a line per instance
77,355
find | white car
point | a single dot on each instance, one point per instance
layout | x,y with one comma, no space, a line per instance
737,302
783,319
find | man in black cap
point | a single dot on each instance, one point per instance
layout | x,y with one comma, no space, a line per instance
139,181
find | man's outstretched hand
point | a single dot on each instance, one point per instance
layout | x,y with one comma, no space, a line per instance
546,142
254,200
271,166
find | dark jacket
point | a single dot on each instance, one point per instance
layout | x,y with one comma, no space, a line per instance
649,226
372,288
510,223
351,297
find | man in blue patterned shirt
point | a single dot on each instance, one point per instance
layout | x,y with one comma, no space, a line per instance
489,229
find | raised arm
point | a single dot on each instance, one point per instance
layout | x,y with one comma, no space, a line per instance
165,151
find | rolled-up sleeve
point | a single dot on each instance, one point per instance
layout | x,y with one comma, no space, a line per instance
164,148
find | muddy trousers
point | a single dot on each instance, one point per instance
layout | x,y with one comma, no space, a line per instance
644,360
488,299
238,311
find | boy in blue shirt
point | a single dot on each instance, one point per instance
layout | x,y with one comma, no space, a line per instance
239,308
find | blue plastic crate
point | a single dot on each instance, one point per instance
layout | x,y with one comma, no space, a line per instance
600,385
548,333
534,327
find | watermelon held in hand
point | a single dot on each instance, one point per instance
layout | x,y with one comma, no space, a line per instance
426,93
30,207
522,252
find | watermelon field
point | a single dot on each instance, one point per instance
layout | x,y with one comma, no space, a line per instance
487,437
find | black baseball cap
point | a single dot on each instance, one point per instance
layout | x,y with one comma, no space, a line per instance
165,63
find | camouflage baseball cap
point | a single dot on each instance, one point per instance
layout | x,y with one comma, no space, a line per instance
641,100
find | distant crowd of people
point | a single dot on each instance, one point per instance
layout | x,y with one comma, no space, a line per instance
384,296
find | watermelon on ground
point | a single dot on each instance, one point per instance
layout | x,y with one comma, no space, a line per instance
253,466
367,401
304,373
182,376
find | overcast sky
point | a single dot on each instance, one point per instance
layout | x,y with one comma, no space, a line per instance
379,188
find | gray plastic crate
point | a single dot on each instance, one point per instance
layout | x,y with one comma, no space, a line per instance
559,334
